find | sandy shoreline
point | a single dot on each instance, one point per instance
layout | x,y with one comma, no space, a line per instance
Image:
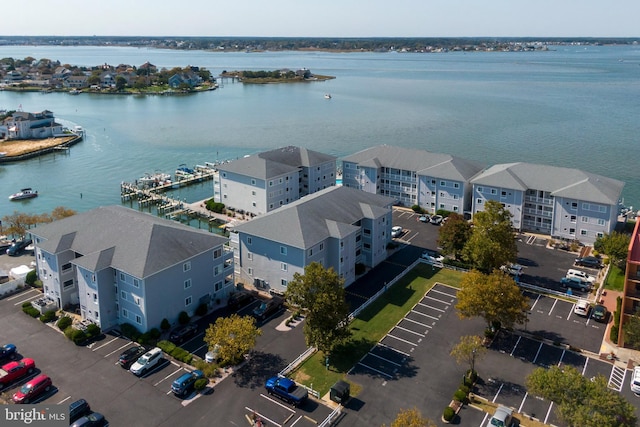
20,147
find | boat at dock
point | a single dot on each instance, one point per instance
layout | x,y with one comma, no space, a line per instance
155,179
184,171
25,193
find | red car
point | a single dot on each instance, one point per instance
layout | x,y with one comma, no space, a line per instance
34,388
15,370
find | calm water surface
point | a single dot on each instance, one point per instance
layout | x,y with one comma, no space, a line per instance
576,107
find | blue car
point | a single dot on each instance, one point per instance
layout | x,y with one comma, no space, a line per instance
184,383
8,351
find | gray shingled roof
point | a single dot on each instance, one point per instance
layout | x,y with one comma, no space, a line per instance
310,220
423,162
560,182
274,163
137,243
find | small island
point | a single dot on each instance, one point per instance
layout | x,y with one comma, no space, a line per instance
284,75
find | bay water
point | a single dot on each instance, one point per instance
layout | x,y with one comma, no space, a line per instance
574,106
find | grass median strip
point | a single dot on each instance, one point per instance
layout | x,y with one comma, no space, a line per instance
370,326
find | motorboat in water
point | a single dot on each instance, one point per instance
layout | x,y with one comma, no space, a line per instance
25,193
327,96
155,179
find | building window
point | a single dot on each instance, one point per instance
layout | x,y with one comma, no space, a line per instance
494,191
583,232
283,282
283,266
136,283
599,234
572,231
503,193
455,209
479,201
573,218
367,231
188,301
186,266
601,221
310,252
270,183
217,253
480,189
67,284
456,185
187,283
443,184
95,297
136,300
441,205
249,240
367,246
585,219
321,246
125,313
123,295
574,205
253,192
216,270
249,256
250,271
122,277
253,204
433,182
253,182
138,320
224,174
217,286
283,250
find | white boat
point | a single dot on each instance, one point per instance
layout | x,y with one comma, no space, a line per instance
158,178
25,193
327,96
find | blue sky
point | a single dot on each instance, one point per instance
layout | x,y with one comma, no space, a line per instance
327,18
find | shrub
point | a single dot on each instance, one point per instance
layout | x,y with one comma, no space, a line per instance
26,304
209,370
183,318
214,206
459,395
613,334
416,208
31,311
130,331
201,310
464,387
448,413
182,355
165,325
445,213
68,331
64,322
166,346
93,330
78,336
48,316
200,384
154,333
31,278
472,375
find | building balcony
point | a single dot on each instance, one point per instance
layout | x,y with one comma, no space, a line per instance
538,200
537,212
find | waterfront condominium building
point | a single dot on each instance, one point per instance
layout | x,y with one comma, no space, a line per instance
560,202
412,177
118,265
338,227
263,182
631,294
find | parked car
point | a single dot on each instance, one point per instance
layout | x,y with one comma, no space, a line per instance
32,389
146,361
78,409
635,380
572,272
503,417
589,261
267,308
183,333
286,390
600,313
582,308
237,300
432,256
396,231
18,247
212,356
130,355
424,218
185,382
16,370
8,351
436,219
512,269
94,419
575,283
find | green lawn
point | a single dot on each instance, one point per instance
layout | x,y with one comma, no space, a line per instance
615,279
371,325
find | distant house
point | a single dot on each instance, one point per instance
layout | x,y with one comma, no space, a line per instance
76,82
190,78
432,181
118,265
338,227
22,125
263,182
560,202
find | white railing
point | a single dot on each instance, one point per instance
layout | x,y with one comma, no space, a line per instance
332,416
291,366
10,287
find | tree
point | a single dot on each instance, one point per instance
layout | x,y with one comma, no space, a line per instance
581,401
453,235
61,212
631,330
491,243
121,83
468,350
320,294
411,418
232,337
495,297
615,245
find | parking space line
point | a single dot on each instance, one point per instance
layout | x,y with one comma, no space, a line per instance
170,375
296,421
516,345
428,306
105,344
64,400
561,357
394,349
411,332
21,294
385,359
119,348
439,300
270,399
403,340
526,393
425,315
546,418
418,323
497,393
262,416
536,302
537,354
375,370
443,293
28,299
199,348
555,301
586,362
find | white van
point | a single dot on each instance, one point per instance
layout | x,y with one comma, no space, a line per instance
147,361
580,275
